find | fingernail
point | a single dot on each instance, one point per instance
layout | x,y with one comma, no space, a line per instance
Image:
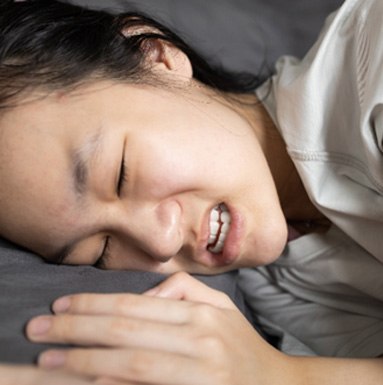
61,305
52,359
39,326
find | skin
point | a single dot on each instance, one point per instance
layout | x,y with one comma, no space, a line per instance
26,375
186,151
158,339
184,155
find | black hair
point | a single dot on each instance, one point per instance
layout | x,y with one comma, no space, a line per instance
53,44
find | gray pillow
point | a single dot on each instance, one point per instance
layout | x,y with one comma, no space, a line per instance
240,35
28,286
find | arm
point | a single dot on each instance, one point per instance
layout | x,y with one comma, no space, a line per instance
157,339
337,371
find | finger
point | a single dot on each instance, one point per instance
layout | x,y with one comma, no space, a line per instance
111,381
129,366
127,305
184,287
110,332
28,375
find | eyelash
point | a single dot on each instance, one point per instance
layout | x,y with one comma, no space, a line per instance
123,177
100,263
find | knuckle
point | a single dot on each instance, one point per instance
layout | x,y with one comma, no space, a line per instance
204,314
63,327
118,327
79,301
78,360
123,303
139,364
212,346
218,364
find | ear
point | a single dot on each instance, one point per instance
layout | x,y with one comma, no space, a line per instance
161,56
164,57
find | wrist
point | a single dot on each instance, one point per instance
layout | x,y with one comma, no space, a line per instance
335,371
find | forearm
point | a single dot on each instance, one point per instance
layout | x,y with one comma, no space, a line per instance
337,371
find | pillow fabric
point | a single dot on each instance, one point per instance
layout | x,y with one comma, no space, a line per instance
28,285
241,35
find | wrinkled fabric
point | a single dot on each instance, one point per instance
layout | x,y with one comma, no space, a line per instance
325,294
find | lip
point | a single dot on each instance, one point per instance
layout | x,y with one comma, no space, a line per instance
231,248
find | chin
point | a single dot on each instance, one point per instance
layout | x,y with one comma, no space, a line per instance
265,251
256,260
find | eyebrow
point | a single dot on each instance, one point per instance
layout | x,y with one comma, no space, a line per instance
81,159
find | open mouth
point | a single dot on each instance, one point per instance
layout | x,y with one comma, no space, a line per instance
219,224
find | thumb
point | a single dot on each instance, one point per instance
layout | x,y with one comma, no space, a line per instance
182,286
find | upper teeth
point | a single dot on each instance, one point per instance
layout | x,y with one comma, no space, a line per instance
219,227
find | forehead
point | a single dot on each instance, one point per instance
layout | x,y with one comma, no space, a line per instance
36,197
63,117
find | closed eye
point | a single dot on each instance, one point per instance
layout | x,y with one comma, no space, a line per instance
123,176
100,263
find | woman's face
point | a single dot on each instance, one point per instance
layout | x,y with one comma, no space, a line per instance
136,173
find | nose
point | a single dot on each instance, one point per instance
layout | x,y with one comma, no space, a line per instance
157,229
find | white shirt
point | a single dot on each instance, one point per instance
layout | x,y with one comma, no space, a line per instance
329,110
324,295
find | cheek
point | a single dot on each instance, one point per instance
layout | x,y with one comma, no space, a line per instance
184,161
168,167
167,174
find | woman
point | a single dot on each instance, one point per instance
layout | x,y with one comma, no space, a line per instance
135,154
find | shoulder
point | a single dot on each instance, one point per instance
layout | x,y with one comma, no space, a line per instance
329,110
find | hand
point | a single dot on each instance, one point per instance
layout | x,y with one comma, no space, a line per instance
158,339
